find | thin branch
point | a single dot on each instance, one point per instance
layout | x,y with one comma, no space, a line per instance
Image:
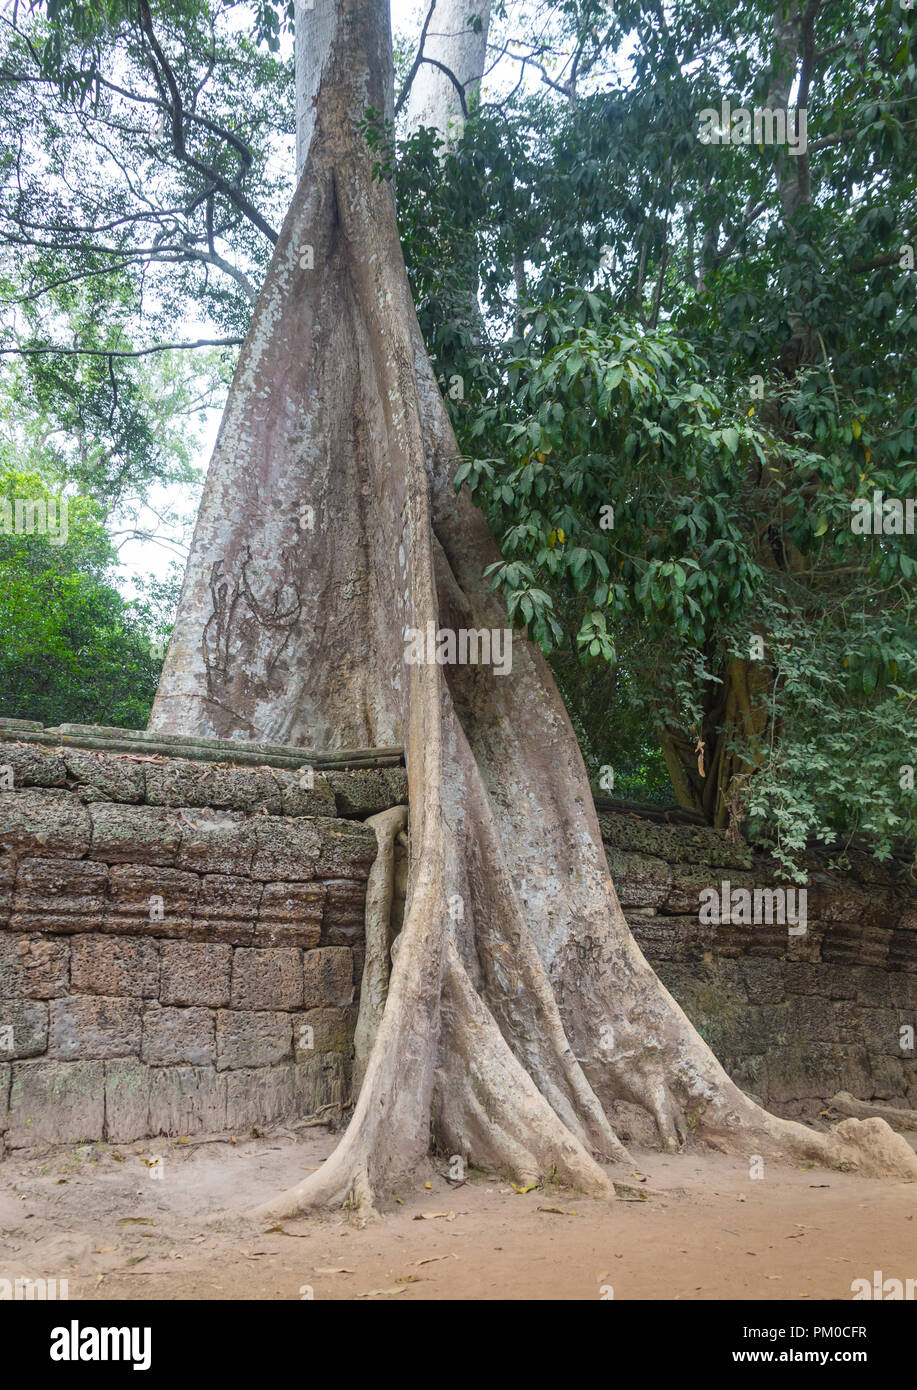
435,63
179,148
403,96
118,352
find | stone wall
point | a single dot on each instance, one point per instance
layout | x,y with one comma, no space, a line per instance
794,1019
180,938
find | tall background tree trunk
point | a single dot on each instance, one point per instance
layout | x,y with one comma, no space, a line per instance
456,44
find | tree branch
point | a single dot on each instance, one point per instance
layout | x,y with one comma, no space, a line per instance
118,352
179,148
403,96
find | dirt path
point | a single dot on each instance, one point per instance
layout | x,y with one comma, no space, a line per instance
97,1217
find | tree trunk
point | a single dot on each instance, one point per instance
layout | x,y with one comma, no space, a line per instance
706,770
458,49
519,1009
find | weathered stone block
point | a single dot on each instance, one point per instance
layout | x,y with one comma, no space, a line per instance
149,901
678,844
216,842
44,822
261,1096
366,791
256,790
287,850
247,1039
134,834
115,965
195,972
226,910
186,1100
348,849
298,799
871,987
670,938
31,765
324,1030
290,914
105,776
880,1031
813,1020
127,1101
7,879
836,899
92,1026
804,977
803,1071
765,981
902,990
344,916
641,880
59,895
6,1076
23,1028
267,979
56,1103
178,1035
181,782
33,967
686,887
328,977
889,1076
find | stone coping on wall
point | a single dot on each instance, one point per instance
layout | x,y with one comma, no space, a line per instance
130,767
247,753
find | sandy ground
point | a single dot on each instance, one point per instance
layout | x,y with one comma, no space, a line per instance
97,1217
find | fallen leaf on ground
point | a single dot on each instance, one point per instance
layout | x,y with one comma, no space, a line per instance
136,1221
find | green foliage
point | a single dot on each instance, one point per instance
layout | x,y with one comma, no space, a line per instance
71,648
683,335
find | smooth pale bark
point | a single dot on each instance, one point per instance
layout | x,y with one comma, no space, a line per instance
519,1011
454,44
380,888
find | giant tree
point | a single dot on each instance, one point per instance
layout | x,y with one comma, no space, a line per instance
521,1020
